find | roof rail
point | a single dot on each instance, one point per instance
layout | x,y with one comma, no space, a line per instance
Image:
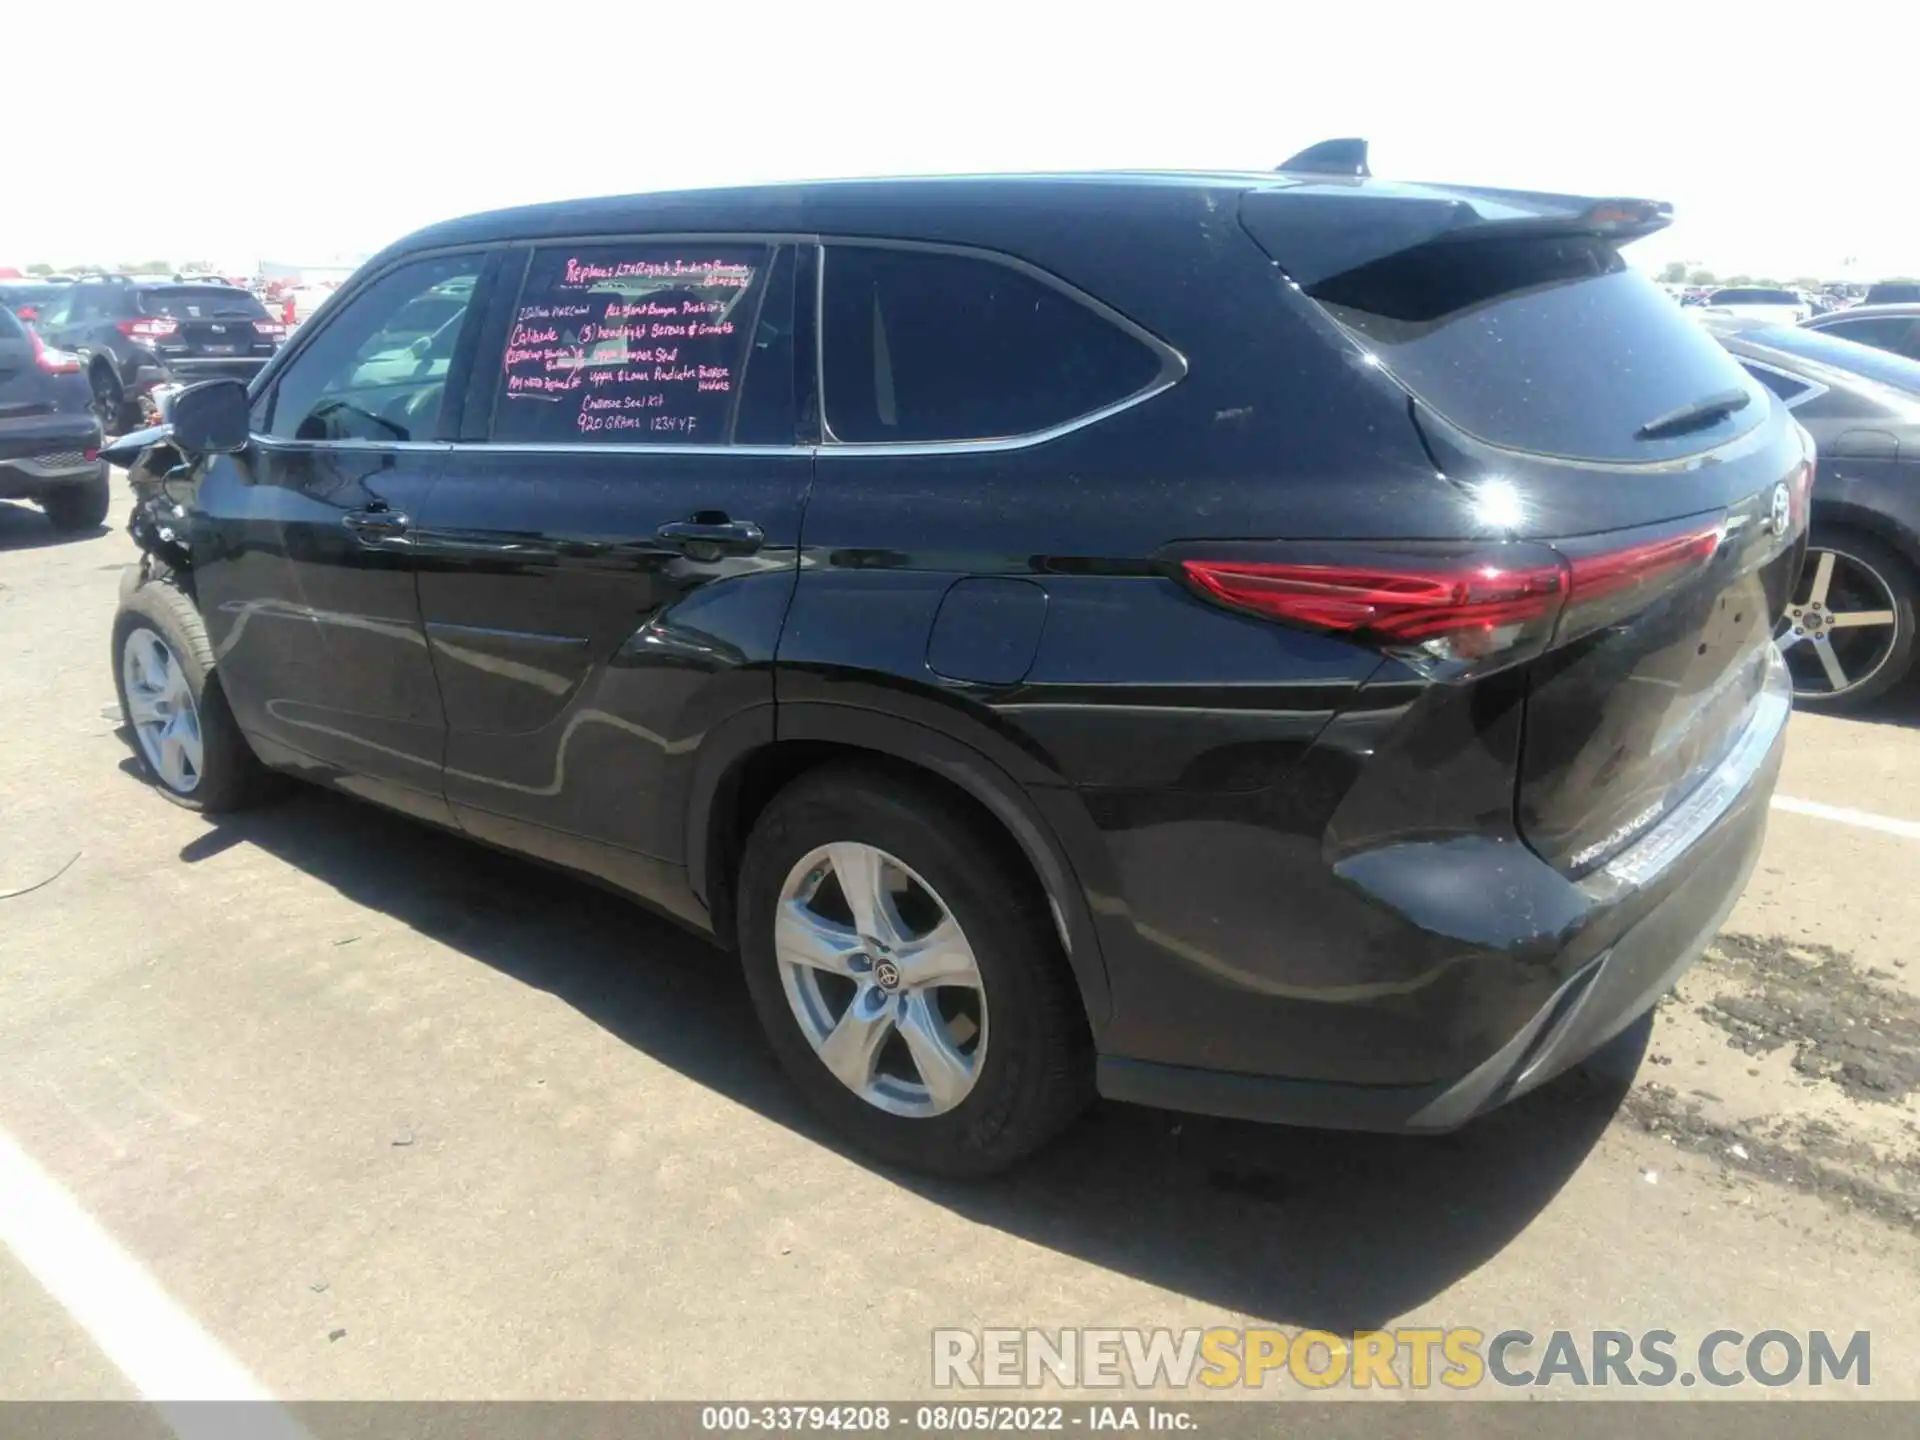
1346,156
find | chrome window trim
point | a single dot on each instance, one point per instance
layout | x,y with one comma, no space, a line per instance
1813,388
275,443
1173,364
580,447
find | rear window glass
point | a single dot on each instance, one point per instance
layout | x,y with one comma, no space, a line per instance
1552,346
1756,297
1897,292
16,295
1881,365
200,302
1785,386
924,345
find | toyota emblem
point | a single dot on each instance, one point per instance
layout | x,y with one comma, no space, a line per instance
886,974
1780,518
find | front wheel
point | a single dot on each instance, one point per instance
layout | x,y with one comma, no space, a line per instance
1848,634
906,971
185,738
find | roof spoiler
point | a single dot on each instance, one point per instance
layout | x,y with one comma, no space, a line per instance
1346,156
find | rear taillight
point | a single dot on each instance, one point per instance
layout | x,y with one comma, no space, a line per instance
273,329
148,329
1445,609
1454,610
54,362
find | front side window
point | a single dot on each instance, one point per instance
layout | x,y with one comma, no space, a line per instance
633,344
378,371
929,345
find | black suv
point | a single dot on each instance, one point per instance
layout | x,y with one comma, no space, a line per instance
135,335
49,438
1282,645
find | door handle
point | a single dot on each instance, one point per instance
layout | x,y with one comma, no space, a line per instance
702,539
377,527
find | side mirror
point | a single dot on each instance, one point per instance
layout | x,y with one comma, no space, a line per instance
210,418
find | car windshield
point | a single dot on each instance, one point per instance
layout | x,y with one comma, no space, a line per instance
201,302
1882,365
1756,297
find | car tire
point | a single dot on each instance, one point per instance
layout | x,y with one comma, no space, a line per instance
1030,1070
1884,582
185,739
72,508
109,401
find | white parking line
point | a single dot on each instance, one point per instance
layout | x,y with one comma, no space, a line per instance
1841,815
162,1351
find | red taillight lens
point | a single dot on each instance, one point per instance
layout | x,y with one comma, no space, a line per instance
1399,605
272,328
148,329
1447,611
54,362
27,312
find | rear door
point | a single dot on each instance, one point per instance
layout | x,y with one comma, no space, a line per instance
300,555
1557,385
607,561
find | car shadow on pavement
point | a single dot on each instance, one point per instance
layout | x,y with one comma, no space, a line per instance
1899,706
22,527
1338,1231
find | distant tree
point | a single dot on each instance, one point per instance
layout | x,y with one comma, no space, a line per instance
39,267
196,267
1805,282
88,270
1701,276
1739,280
1674,272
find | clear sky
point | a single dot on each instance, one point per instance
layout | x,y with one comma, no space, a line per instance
298,130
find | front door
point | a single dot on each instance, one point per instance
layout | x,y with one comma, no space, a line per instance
608,557
301,558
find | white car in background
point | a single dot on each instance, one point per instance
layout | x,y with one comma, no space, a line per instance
1753,302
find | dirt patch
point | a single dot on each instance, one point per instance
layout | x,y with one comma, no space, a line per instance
1845,1025
1810,1156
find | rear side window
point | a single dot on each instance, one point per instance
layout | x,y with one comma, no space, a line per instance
201,302
633,344
1817,345
1755,297
1553,346
1783,385
1885,331
926,345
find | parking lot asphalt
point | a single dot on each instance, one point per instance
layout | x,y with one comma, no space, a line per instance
384,1115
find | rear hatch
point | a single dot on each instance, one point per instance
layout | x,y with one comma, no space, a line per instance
1576,405
209,322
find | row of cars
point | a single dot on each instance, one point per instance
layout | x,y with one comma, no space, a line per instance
84,359
87,359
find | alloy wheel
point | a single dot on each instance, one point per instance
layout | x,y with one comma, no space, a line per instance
1841,629
881,980
161,709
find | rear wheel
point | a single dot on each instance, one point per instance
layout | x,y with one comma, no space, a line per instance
908,975
185,737
1848,633
109,401
78,507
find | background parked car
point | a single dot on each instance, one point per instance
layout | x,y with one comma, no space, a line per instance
134,335
1781,307
1849,631
1893,292
49,438
27,298
1885,327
